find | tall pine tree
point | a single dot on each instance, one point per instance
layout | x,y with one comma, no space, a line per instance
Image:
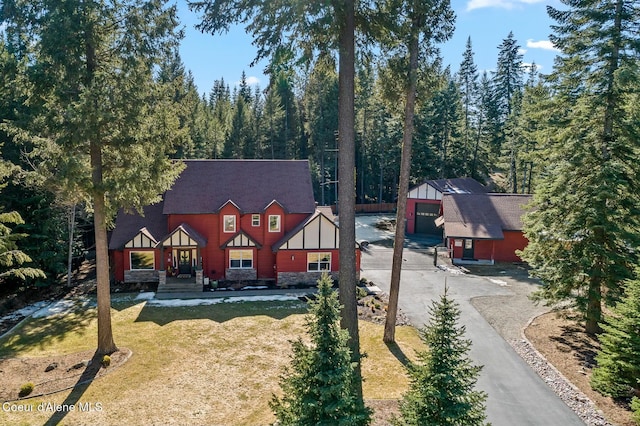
318,386
105,126
441,390
587,206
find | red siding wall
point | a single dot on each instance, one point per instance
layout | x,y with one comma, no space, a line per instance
214,259
411,212
513,240
299,262
117,263
210,226
498,250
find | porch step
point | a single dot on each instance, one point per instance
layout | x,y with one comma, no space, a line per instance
173,287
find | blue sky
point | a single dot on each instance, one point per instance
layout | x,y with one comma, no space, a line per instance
487,22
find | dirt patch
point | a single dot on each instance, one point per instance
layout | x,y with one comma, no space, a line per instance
384,410
563,342
373,308
64,372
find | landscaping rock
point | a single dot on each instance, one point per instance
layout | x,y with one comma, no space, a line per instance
51,367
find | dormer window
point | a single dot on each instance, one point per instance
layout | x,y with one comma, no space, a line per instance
274,223
229,221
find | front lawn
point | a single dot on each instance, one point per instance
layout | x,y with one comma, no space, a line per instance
213,365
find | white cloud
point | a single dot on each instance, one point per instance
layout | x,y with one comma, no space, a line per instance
542,44
502,4
252,80
522,51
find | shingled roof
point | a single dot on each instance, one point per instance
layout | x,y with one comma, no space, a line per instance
483,216
129,224
206,185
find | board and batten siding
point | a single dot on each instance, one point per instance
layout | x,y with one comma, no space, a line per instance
425,192
141,240
320,233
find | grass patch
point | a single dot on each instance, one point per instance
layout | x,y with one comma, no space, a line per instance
206,365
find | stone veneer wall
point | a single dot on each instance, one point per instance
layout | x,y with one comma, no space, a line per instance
241,274
289,279
146,276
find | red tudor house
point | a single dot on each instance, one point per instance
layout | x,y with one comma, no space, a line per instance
423,202
484,228
230,220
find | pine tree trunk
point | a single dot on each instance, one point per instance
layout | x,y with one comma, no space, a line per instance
403,190
106,345
593,316
347,189
72,223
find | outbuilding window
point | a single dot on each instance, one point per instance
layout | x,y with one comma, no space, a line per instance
142,260
240,259
318,262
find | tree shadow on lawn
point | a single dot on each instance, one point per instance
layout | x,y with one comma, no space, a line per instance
221,312
397,352
83,383
45,331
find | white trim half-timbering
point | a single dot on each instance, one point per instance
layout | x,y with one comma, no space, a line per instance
317,233
425,192
240,240
143,239
183,236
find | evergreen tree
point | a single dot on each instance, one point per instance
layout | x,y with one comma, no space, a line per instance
441,390
12,258
587,207
486,114
419,26
318,386
104,125
321,107
618,361
507,82
272,125
468,86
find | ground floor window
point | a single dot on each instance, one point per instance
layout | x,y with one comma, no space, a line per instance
141,260
318,262
240,259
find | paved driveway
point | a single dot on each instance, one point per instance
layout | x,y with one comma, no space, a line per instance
516,394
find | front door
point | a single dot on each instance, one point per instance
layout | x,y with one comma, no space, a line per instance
467,250
184,262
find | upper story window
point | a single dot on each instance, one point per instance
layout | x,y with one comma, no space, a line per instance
255,220
274,223
229,223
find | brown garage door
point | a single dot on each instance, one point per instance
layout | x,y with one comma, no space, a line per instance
426,214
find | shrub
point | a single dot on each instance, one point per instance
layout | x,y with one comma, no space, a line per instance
361,293
106,361
635,407
26,389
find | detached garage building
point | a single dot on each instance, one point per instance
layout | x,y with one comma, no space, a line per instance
484,228
424,202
